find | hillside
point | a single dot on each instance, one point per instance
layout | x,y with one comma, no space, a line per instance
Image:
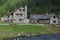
7,6
34,6
44,6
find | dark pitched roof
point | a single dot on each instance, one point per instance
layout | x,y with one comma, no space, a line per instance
42,16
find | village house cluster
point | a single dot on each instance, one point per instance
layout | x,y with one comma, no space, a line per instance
21,16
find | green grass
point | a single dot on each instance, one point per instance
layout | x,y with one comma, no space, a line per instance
27,29
22,28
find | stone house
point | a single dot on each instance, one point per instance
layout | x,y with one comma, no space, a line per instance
44,19
19,16
59,20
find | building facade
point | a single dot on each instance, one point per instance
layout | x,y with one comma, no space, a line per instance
20,15
44,19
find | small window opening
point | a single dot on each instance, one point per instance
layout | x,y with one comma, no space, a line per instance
21,14
20,19
54,21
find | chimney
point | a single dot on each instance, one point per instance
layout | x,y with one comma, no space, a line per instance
25,11
47,14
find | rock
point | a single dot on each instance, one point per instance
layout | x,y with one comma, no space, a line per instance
18,35
28,35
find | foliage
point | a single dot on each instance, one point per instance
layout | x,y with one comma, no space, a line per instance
34,6
8,6
44,6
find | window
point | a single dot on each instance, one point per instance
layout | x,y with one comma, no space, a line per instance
19,9
54,16
17,14
54,21
23,10
21,14
20,19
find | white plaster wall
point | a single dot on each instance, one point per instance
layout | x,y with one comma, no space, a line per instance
51,20
24,17
15,18
10,17
26,21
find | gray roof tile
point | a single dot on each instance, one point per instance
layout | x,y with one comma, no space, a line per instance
34,16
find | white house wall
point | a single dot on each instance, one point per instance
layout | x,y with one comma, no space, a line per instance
23,17
26,21
51,20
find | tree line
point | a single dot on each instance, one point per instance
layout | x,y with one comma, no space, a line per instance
34,6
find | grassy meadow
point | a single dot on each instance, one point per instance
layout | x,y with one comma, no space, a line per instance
12,30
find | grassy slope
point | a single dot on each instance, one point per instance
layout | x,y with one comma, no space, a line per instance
30,29
5,30
22,28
